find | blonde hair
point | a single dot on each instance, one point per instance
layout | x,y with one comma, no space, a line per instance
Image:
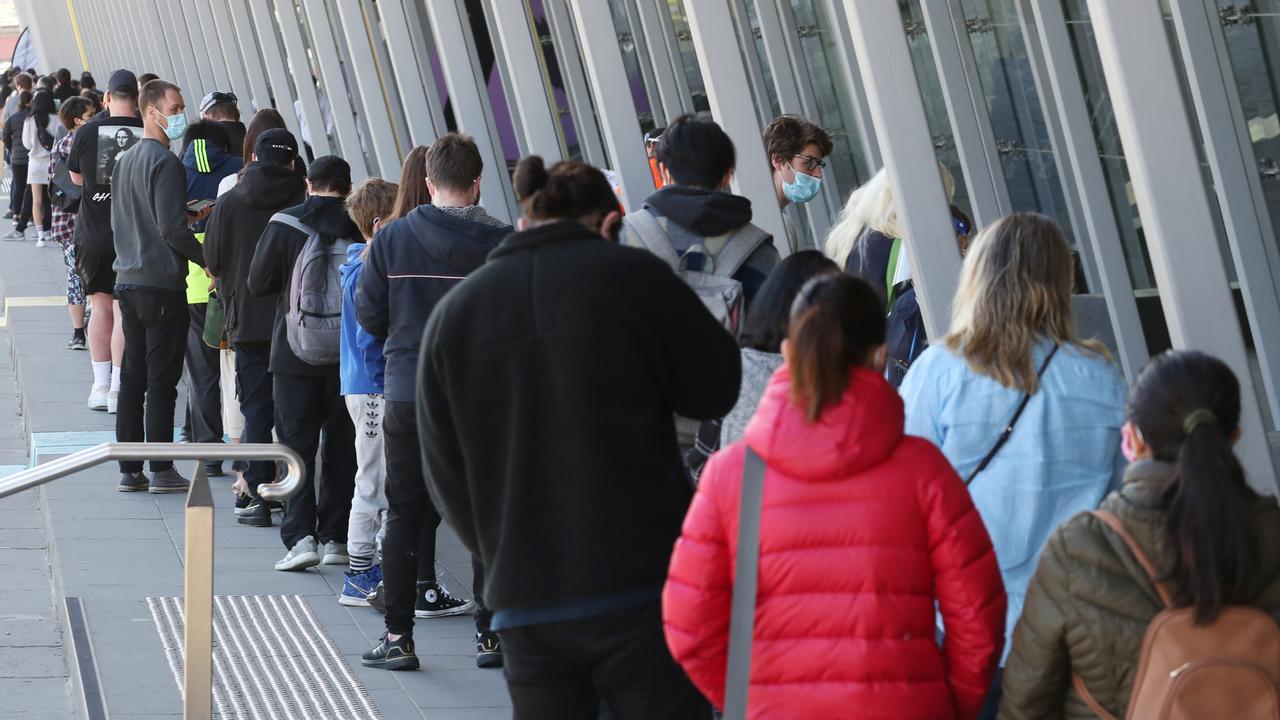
1014,289
872,206
372,200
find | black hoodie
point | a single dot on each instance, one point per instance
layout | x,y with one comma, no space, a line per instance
231,237
272,269
412,263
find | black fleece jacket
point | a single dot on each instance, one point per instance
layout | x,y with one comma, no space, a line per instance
411,264
231,238
272,269
547,388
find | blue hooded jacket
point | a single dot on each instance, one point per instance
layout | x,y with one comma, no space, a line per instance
361,362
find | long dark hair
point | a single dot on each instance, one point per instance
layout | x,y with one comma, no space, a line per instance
413,184
837,321
42,106
770,313
1187,407
262,121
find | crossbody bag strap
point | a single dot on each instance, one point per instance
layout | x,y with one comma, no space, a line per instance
742,619
1089,699
1008,429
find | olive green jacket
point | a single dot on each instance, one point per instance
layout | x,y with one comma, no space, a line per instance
1089,604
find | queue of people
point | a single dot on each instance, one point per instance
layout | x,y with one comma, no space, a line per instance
583,398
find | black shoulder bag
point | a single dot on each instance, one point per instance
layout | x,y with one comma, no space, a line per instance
1008,429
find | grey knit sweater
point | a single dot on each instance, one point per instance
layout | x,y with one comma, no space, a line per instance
757,368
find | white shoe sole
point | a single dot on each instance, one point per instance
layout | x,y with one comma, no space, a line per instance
460,610
97,408
336,560
300,562
352,602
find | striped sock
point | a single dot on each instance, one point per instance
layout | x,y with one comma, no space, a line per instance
361,564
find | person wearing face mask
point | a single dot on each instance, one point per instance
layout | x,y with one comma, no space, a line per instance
545,397
153,242
797,152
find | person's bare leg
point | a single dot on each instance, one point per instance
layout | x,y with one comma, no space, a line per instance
117,336
100,327
37,207
77,316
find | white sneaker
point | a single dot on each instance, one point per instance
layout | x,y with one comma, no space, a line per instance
98,397
40,241
335,553
113,401
301,556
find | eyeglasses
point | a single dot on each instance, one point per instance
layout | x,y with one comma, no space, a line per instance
811,163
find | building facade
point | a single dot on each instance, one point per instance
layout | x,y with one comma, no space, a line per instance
1149,129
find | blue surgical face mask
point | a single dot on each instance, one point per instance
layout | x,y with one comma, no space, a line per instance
175,126
802,189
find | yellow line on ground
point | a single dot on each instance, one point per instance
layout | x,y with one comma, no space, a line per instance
33,301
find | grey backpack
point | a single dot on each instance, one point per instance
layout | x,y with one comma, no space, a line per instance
314,322
714,284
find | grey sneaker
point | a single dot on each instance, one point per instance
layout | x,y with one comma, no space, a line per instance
132,482
335,553
301,556
168,481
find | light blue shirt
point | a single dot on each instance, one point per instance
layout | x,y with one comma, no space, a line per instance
1062,458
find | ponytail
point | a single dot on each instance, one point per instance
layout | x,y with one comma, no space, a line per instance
1187,407
836,323
568,190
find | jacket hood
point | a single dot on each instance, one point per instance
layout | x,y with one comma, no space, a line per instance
201,157
469,235
269,186
707,213
355,251
857,433
328,216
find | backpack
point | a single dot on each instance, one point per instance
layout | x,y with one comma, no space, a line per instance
314,321
714,283
905,335
1229,668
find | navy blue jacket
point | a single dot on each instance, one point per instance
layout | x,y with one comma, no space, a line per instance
411,265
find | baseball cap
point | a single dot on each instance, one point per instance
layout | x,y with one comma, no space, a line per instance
276,146
123,81
329,167
216,97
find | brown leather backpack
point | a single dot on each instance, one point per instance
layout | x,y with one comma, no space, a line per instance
1229,668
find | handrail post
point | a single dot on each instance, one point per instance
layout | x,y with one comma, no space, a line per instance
197,649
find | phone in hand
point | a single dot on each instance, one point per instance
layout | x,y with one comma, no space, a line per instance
195,207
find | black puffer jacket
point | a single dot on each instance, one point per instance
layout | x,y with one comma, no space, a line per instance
231,238
1089,605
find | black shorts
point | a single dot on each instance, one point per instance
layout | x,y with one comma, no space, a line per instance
95,270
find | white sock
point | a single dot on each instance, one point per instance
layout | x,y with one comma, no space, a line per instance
101,373
115,378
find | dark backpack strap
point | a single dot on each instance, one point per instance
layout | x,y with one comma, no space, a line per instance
1008,429
742,619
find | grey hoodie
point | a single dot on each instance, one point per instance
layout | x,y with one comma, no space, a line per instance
149,218
757,368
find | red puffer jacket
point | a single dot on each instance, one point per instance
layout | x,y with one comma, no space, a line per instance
862,530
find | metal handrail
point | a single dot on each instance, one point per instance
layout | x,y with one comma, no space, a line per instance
106,452
197,570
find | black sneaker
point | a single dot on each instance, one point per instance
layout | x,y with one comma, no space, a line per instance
77,343
256,514
436,602
275,506
168,481
390,655
488,649
133,482
212,470
242,502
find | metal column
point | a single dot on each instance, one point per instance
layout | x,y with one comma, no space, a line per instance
538,120
1160,149
372,94
468,91
207,36
250,52
409,80
893,96
238,64
967,109
730,95
1229,149
614,104
1099,228
335,88
300,67
274,58
576,86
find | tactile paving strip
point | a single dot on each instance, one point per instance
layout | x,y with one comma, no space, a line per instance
271,660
